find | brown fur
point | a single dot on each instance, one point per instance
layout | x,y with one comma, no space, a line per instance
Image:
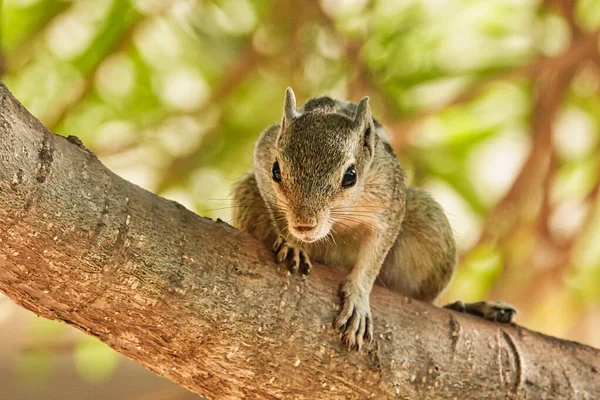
378,228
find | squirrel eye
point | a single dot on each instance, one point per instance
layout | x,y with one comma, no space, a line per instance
349,178
276,172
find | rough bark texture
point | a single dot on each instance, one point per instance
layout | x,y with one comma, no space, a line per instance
204,305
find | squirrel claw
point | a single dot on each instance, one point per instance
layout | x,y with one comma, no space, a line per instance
305,262
298,257
355,321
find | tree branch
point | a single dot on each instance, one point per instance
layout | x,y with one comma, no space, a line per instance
204,306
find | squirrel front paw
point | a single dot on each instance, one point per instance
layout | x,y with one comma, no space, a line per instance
355,320
298,257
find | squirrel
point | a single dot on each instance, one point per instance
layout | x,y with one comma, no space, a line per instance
327,186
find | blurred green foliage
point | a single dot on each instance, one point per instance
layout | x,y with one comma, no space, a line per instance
36,362
94,360
171,94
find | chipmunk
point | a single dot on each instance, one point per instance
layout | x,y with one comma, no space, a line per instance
326,186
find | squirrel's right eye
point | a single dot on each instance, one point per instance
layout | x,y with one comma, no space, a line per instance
276,172
349,178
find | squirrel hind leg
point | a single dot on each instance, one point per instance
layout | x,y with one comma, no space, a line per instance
497,311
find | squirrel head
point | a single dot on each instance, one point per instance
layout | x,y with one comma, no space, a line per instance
321,162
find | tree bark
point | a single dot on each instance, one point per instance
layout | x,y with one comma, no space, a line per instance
203,305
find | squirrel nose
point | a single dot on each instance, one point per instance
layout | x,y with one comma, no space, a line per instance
306,227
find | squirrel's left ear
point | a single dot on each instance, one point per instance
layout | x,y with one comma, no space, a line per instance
363,121
289,108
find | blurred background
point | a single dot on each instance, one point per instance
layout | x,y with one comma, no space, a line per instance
493,106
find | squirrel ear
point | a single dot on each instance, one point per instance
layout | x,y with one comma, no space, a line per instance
363,121
289,107
363,114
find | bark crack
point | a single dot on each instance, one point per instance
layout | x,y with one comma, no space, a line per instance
46,156
570,384
514,350
101,221
499,359
454,332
